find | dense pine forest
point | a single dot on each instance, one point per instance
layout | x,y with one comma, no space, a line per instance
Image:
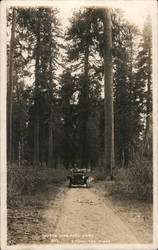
74,101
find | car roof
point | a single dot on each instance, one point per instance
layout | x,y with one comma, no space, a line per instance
77,170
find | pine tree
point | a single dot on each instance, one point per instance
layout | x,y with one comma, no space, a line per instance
69,147
127,91
108,92
81,53
37,47
144,79
10,87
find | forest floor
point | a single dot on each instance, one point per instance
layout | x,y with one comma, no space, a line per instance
78,215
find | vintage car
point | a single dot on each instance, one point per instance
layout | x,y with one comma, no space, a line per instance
78,177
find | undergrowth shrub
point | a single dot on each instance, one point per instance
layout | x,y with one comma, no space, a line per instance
99,174
140,176
25,179
135,181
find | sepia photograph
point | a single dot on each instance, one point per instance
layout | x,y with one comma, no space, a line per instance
78,124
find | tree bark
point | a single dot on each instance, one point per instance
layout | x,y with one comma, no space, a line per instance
85,113
51,155
10,90
36,123
148,101
108,96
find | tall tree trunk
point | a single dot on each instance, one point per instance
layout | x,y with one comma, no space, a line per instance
145,147
10,90
85,103
108,88
36,123
148,101
130,143
51,160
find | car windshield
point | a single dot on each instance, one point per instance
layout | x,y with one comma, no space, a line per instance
78,173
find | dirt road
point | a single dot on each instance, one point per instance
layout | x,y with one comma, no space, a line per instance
78,215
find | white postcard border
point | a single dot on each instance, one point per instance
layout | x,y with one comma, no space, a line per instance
3,71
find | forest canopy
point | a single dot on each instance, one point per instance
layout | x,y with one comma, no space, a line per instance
55,89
